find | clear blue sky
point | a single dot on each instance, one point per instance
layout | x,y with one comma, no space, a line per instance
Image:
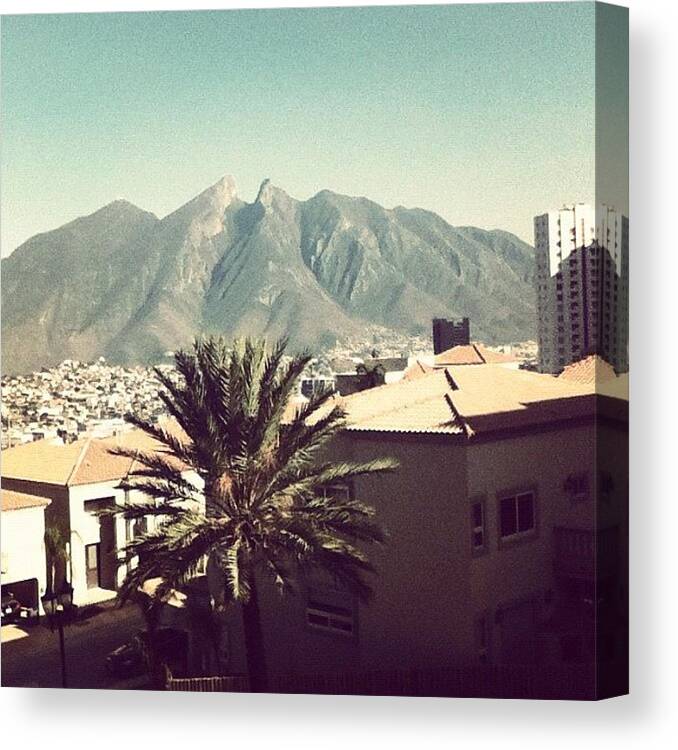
484,114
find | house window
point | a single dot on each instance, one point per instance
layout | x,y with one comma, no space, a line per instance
517,515
478,525
330,617
99,505
201,567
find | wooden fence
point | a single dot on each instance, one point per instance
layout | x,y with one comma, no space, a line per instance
559,682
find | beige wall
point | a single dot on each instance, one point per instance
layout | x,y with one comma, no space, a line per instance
80,528
23,548
431,588
417,616
513,572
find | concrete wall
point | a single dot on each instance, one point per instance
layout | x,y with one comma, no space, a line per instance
417,616
511,573
85,529
433,590
56,513
23,547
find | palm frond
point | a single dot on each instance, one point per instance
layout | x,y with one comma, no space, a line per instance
264,505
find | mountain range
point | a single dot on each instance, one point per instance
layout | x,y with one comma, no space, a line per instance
124,284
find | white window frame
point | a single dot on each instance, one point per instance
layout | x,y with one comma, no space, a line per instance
515,496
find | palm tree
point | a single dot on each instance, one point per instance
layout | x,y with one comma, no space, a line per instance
266,513
56,549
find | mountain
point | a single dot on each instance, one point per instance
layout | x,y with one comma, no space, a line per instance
126,285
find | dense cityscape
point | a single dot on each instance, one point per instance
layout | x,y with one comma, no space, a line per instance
80,399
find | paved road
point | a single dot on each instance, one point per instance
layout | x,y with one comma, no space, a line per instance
34,661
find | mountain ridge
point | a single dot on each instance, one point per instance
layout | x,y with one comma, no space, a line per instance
125,284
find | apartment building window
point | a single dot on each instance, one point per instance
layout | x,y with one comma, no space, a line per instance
517,515
478,534
331,618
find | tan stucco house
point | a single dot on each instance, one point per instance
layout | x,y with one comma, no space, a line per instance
507,523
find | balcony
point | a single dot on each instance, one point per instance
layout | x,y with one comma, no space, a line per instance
585,554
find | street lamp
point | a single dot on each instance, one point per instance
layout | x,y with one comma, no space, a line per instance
57,607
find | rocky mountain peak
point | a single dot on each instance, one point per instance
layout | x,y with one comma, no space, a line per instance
132,286
270,196
220,195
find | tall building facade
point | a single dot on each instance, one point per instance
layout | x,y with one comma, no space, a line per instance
582,286
449,333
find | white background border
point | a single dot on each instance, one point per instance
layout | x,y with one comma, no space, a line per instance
647,718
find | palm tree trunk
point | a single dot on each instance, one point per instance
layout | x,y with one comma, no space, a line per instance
156,667
254,642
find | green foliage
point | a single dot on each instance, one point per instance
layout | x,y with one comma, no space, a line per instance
55,544
56,549
263,475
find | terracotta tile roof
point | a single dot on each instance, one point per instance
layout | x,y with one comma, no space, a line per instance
461,399
98,464
589,370
471,354
492,357
416,370
41,461
492,398
417,405
294,405
19,500
82,462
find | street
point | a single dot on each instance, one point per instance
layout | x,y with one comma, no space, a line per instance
34,660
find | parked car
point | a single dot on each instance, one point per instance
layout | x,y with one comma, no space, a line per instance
129,660
11,607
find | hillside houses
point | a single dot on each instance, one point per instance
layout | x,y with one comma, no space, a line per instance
75,400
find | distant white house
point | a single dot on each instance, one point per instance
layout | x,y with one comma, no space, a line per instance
23,567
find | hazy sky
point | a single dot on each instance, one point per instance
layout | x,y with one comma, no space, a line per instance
484,114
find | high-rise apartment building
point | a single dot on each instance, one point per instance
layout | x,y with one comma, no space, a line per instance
582,286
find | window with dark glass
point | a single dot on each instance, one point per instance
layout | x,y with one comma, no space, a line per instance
330,617
516,514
